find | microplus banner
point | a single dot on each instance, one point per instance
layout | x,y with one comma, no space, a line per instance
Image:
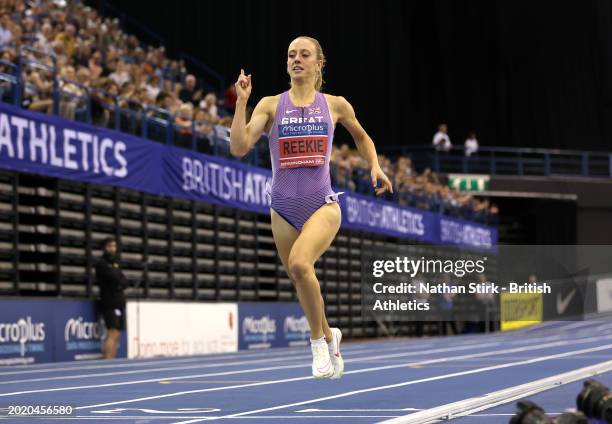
271,324
49,145
50,330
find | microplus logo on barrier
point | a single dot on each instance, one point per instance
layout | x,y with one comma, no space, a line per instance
296,330
83,330
260,330
18,335
80,334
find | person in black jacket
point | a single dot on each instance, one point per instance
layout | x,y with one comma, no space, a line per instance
112,283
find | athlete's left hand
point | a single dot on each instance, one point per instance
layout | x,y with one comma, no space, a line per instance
378,174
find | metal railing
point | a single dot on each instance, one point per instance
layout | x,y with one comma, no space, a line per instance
507,161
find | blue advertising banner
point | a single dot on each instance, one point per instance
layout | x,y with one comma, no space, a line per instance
34,331
274,324
80,331
53,146
26,332
368,214
464,233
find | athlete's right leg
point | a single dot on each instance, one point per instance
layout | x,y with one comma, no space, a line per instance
284,235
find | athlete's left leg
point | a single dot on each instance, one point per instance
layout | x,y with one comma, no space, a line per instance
315,238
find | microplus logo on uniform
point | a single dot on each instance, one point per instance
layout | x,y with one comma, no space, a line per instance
17,337
259,330
80,334
295,129
296,328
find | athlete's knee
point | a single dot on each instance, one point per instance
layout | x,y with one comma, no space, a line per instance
299,268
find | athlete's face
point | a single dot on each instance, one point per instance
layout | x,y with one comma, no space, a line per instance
302,60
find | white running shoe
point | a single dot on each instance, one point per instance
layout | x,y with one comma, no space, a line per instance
322,366
334,353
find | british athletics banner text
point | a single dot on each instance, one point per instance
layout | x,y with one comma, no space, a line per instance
53,146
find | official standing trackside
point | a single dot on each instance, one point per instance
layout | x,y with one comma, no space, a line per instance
112,283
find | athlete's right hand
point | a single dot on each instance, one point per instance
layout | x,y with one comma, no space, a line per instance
243,86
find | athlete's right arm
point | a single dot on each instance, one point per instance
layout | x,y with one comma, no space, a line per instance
243,136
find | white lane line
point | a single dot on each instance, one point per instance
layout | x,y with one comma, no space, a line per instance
380,344
281,356
142,418
244,371
403,384
125,362
358,371
205,364
220,359
358,410
151,370
152,380
260,417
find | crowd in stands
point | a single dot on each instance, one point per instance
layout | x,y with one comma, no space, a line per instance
421,190
109,77
92,56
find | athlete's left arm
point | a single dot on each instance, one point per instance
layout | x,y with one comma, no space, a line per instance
346,116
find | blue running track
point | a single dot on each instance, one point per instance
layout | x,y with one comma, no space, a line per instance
384,379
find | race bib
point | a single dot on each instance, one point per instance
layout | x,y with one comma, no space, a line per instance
302,145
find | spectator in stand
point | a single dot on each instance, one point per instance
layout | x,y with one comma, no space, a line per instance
83,76
209,104
183,125
184,118
44,39
121,74
230,98
493,217
153,86
165,101
203,122
82,53
6,34
69,92
441,140
95,65
103,103
189,93
68,40
28,29
38,91
112,283
471,144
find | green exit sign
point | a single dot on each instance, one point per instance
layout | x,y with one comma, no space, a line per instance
468,182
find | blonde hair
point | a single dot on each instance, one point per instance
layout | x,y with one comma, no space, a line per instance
319,81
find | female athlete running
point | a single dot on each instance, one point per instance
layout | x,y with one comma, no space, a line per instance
304,209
